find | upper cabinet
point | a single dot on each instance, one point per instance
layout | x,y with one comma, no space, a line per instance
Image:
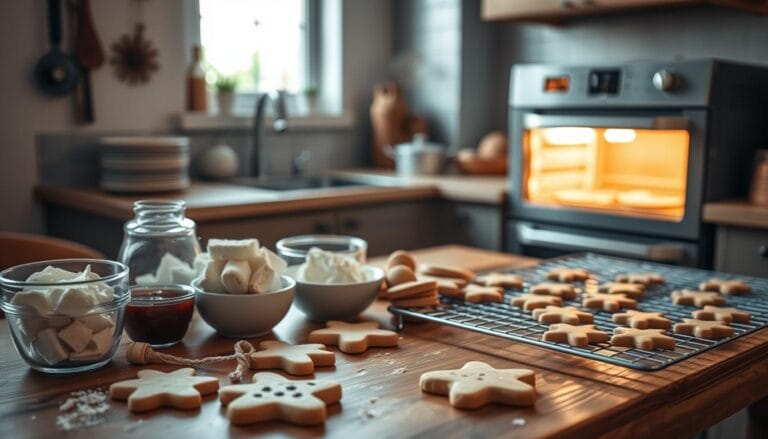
554,10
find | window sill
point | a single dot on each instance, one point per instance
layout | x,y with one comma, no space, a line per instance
190,122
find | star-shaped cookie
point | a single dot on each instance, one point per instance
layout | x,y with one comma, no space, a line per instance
646,279
580,335
568,274
477,384
634,291
645,339
153,389
478,294
504,280
529,302
709,329
298,359
697,298
271,396
725,315
557,314
354,338
642,320
559,289
608,302
731,287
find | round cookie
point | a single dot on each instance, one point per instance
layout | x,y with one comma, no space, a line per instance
401,257
400,274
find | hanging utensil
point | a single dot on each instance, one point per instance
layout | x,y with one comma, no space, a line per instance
56,73
90,53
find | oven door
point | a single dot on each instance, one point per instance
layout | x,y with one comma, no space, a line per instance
631,172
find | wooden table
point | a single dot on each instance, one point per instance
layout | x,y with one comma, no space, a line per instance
577,397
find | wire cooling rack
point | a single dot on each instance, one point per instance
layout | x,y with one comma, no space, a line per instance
510,322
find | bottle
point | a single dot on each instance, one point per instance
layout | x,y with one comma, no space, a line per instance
196,87
159,244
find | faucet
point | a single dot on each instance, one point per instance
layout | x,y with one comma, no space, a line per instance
279,124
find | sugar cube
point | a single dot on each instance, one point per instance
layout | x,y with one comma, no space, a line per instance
76,336
75,302
97,322
49,348
227,249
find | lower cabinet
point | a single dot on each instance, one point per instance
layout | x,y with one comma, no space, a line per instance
742,251
476,225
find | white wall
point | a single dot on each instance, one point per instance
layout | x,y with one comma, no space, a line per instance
25,112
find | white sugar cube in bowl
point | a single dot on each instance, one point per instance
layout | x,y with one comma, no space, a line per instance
65,315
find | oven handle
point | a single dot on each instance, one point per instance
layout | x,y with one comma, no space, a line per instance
533,120
528,235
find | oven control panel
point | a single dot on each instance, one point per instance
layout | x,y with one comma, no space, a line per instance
678,84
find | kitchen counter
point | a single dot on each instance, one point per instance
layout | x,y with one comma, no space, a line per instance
208,201
736,213
577,397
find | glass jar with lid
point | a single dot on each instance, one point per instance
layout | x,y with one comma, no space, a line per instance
159,244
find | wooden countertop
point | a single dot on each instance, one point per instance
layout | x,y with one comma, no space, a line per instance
208,201
381,396
736,213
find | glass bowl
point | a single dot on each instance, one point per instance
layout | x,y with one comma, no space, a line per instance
294,249
159,314
65,322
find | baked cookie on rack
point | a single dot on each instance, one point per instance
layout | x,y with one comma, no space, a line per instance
504,280
446,271
529,302
634,291
642,320
557,314
479,294
564,274
696,298
731,287
645,339
559,289
725,315
608,302
575,335
709,329
646,279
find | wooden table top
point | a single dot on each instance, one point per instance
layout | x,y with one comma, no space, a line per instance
381,396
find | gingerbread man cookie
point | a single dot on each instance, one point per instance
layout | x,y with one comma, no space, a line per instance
354,338
477,384
271,396
581,335
608,302
709,329
646,279
504,280
634,291
153,389
645,339
295,359
529,302
642,320
568,274
559,289
730,287
697,298
557,314
725,315
478,294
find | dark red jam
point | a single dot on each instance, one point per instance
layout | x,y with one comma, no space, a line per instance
159,316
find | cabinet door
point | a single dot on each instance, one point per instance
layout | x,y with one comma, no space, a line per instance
475,225
392,226
742,251
268,230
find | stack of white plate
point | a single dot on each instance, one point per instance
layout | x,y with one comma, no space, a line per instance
144,164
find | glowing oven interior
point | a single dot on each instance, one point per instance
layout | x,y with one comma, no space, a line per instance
637,172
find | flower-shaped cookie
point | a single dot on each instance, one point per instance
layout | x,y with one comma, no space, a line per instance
559,289
568,274
642,320
645,339
477,384
529,302
696,298
608,302
295,359
354,338
557,314
725,315
478,294
704,328
504,280
646,279
153,389
580,335
634,291
730,287
271,396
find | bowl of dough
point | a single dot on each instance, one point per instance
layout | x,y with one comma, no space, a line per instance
242,291
65,315
333,286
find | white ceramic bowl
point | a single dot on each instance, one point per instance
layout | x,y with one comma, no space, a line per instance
323,302
245,315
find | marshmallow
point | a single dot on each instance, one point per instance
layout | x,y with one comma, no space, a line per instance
90,354
211,279
227,249
183,275
164,273
49,348
31,326
102,341
330,268
97,322
76,336
201,260
57,322
75,302
51,275
236,276
273,260
146,279
263,280
38,300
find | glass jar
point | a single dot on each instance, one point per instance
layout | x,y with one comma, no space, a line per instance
160,244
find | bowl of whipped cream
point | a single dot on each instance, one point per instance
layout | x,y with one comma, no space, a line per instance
333,286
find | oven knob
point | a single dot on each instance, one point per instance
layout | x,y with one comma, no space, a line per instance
664,80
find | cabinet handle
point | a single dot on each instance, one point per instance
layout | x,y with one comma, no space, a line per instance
763,251
351,224
322,228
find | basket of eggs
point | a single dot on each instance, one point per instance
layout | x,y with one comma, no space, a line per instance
490,158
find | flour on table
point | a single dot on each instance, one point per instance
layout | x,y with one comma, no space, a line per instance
84,408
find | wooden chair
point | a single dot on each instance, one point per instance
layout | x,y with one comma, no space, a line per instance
20,248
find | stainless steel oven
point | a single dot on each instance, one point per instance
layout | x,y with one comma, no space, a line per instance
621,159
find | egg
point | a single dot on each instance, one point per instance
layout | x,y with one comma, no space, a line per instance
493,146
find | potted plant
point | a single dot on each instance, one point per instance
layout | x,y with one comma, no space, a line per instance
225,94
311,97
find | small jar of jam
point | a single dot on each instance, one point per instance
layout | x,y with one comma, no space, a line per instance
159,314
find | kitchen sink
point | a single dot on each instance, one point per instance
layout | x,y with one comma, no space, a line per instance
296,183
